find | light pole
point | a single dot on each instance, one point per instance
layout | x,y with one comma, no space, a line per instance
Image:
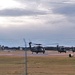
26,73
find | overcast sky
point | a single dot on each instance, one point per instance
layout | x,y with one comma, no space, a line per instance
39,21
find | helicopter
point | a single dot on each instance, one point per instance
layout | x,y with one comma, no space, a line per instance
37,49
73,49
61,49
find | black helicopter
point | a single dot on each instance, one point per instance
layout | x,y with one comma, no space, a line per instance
73,49
61,49
37,49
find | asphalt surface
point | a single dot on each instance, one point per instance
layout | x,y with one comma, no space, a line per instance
29,53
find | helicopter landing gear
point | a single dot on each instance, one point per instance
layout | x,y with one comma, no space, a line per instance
43,52
36,52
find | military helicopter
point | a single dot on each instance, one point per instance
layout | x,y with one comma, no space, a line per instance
61,49
73,49
37,49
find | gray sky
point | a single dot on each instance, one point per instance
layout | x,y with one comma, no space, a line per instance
41,21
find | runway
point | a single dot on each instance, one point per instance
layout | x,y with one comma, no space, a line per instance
29,53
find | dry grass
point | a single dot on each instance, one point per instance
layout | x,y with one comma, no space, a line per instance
11,65
49,65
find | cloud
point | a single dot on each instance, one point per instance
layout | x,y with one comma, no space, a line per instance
64,8
48,21
67,10
5,4
21,12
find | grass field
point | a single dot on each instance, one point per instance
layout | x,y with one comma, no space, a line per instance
49,65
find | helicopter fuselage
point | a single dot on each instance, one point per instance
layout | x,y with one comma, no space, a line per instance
38,50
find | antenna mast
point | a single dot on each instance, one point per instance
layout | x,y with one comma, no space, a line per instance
25,57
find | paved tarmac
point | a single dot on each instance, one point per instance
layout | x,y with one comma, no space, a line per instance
29,53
